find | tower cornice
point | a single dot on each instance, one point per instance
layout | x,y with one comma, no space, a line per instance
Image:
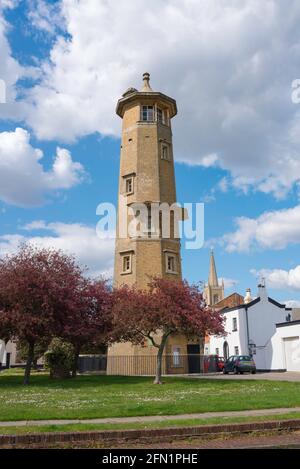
142,96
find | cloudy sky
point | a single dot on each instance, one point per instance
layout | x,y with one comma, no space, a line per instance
229,64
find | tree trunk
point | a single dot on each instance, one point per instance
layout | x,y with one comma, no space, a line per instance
159,358
29,361
76,360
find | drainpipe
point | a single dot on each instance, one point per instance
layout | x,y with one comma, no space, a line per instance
247,324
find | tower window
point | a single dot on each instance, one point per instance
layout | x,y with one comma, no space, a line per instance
171,264
160,116
234,325
126,264
165,155
129,185
147,113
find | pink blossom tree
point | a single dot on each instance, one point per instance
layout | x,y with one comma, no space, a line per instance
39,289
168,307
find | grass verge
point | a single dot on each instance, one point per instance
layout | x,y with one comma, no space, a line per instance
123,396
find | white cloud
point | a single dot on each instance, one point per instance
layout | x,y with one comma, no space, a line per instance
232,83
229,282
10,70
8,4
271,230
45,15
280,279
23,180
207,161
292,303
75,238
223,185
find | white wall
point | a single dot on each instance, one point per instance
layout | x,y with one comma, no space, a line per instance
2,352
276,352
262,319
10,347
233,338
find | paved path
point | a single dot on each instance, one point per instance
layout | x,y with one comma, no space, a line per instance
155,418
272,376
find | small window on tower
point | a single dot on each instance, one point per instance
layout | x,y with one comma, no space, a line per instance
129,185
234,325
126,264
164,152
171,264
147,113
160,116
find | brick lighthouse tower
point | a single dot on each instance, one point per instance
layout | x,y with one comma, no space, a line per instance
146,178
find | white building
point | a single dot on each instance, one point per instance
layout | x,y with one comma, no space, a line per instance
264,328
8,354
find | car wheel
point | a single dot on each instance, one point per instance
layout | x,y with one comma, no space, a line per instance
225,372
253,372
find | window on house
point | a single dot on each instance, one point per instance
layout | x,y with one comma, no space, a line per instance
236,351
165,152
217,351
176,356
234,324
147,113
129,185
126,264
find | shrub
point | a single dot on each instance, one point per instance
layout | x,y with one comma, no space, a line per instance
59,358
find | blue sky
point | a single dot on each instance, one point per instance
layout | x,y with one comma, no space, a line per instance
229,65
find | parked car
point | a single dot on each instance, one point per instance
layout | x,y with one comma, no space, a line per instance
221,363
238,364
213,363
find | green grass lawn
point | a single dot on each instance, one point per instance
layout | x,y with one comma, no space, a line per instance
118,396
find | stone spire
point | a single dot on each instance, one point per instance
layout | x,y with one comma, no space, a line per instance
213,292
146,83
212,278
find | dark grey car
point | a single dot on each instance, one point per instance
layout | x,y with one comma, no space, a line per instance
239,364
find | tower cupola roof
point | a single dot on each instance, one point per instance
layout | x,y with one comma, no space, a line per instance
147,96
146,83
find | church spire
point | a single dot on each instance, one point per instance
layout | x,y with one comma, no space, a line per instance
212,278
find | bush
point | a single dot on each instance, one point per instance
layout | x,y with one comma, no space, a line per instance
59,358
